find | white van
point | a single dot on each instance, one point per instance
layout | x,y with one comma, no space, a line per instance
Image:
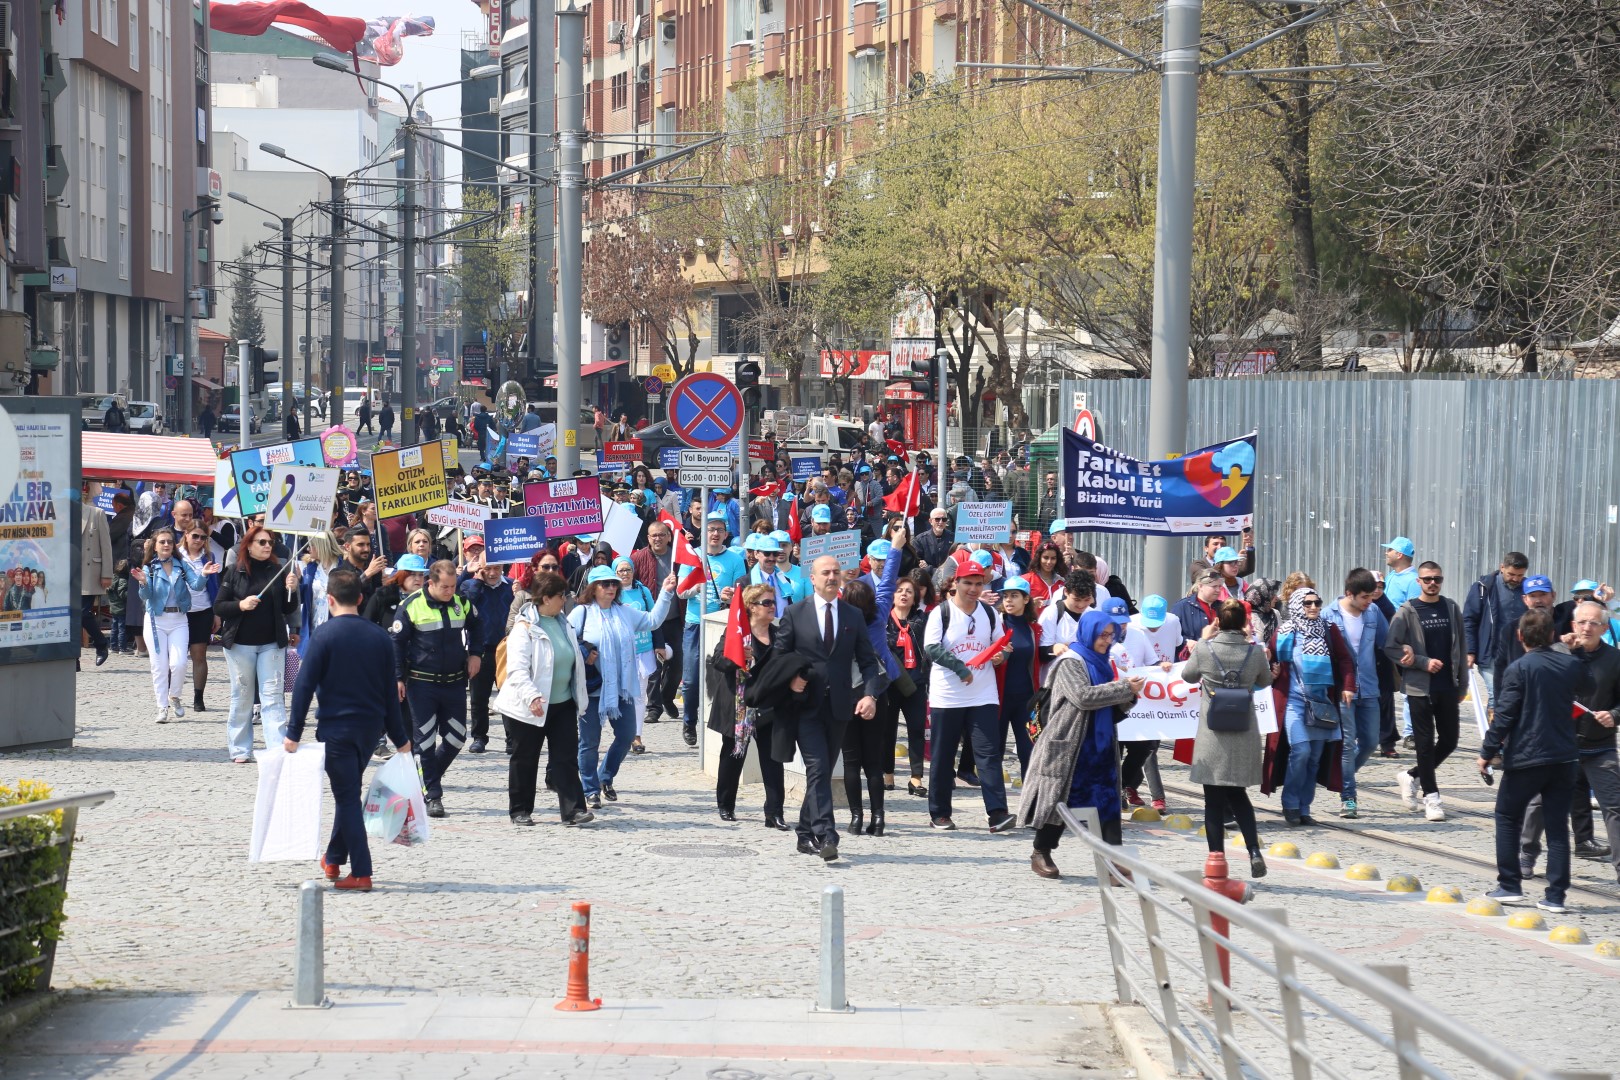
353,396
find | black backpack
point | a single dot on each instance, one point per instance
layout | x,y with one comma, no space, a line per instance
945,616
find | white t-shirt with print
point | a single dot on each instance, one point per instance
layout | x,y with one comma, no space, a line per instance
968,635
1145,647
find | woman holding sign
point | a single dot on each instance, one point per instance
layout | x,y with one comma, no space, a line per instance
1226,751
257,597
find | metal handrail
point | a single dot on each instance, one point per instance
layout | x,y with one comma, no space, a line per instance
1384,986
46,806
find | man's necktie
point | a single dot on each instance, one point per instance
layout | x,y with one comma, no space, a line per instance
827,626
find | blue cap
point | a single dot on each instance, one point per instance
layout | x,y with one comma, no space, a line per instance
1537,583
1225,554
862,468
1016,583
1402,545
601,573
1117,611
722,491
1585,585
1058,525
1154,610
414,564
782,537
983,558
720,516
769,543
822,513
879,549
483,464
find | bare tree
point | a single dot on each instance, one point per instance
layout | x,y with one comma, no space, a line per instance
638,276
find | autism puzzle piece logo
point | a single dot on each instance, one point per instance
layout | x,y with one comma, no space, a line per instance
1219,476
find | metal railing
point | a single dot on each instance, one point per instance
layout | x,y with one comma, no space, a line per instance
1222,1033
62,839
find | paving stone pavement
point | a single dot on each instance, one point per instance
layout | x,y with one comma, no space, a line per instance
162,898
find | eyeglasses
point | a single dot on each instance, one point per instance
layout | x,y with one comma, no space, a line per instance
548,567
1432,580
262,543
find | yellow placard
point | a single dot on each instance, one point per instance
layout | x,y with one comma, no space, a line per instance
452,454
569,437
664,371
407,481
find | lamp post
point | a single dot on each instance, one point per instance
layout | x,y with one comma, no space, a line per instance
190,259
286,305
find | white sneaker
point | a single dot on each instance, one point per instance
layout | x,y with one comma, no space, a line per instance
1432,810
176,708
1408,786
163,716
257,715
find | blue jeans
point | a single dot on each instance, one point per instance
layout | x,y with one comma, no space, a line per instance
1359,729
691,655
595,772
1304,758
260,667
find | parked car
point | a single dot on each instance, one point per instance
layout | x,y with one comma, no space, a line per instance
144,418
231,419
93,409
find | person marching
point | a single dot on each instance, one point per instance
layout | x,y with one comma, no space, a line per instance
432,666
167,583
739,724
255,611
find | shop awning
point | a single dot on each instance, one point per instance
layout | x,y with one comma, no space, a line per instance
148,457
587,370
206,384
902,391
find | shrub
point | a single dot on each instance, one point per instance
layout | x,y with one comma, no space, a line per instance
32,890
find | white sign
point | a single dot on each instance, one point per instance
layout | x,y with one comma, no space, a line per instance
843,546
621,526
1168,708
547,436
301,499
466,516
64,279
707,468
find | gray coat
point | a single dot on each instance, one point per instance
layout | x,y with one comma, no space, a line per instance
1068,725
1226,758
1407,629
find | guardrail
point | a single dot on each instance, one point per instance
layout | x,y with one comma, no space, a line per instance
62,839
1237,1036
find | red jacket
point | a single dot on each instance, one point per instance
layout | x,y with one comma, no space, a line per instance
646,564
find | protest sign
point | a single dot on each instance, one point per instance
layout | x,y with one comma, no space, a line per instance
226,504
621,526
408,480
669,457
568,507
523,444
1168,707
1208,490
466,516
983,522
805,468
254,466
508,540
845,546
339,447
301,498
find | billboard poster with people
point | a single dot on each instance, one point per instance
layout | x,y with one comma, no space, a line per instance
38,605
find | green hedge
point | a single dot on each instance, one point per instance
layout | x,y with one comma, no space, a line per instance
31,889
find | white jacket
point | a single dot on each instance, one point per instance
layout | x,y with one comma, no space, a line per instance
529,662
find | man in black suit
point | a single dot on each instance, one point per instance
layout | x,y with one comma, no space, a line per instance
832,636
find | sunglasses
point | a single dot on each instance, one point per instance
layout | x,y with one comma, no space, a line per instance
1310,603
1434,580
763,603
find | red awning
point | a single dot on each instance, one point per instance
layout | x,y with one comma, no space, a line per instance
902,391
587,370
148,457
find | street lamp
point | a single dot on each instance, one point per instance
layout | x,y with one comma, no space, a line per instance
217,215
286,303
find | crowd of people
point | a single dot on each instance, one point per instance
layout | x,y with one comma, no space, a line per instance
962,651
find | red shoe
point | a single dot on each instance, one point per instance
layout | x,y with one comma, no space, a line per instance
332,872
1133,798
1158,804
357,884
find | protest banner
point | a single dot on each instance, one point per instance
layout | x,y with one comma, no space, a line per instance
508,540
450,450
301,498
669,457
622,450
524,445
466,516
1208,490
408,480
226,504
339,447
568,507
844,546
254,466
805,468
983,522
1168,707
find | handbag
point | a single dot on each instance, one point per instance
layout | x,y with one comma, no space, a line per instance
1321,714
290,668
1231,708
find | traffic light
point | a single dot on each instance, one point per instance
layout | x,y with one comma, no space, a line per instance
257,358
926,373
748,373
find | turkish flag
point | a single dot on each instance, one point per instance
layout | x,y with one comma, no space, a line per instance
897,448
341,32
684,555
795,530
907,498
766,491
737,631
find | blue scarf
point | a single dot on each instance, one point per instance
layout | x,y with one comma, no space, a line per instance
1101,670
616,656
1303,640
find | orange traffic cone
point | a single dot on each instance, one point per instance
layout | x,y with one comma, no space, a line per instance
579,997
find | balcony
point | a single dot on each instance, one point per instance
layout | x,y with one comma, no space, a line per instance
666,9
945,11
772,56
741,53
863,29
668,88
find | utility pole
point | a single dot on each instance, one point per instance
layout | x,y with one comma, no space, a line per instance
244,382
1164,570
287,399
334,367
570,227
543,34
407,281
309,343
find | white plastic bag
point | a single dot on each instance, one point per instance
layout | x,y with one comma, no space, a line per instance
394,808
287,810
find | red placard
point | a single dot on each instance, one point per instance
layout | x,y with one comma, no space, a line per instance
761,450
627,450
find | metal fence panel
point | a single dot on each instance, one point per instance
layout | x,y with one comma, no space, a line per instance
1468,468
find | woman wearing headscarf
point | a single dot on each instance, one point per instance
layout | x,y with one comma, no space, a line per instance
1263,614
607,629
1314,674
636,595
1075,759
739,724
1227,761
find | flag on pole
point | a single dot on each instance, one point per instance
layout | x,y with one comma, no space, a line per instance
683,553
907,498
737,631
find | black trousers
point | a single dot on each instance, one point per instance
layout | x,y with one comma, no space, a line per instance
819,738
483,684
561,729
731,770
1047,836
1434,731
1514,790
1218,803
1388,733
666,679
891,706
346,757
868,751
90,624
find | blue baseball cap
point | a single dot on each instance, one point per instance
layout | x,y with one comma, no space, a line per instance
752,543
414,564
821,513
601,573
879,549
1537,583
783,537
1117,611
768,542
1058,525
1225,554
983,558
718,515
1153,610
1585,585
1402,545
1016,583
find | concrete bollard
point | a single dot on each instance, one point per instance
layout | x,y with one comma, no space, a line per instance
830,995
309,962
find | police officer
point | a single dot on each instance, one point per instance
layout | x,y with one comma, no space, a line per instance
432,665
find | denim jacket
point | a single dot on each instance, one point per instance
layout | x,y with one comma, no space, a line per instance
1374,632
173,590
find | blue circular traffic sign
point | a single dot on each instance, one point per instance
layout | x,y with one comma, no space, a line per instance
705,411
